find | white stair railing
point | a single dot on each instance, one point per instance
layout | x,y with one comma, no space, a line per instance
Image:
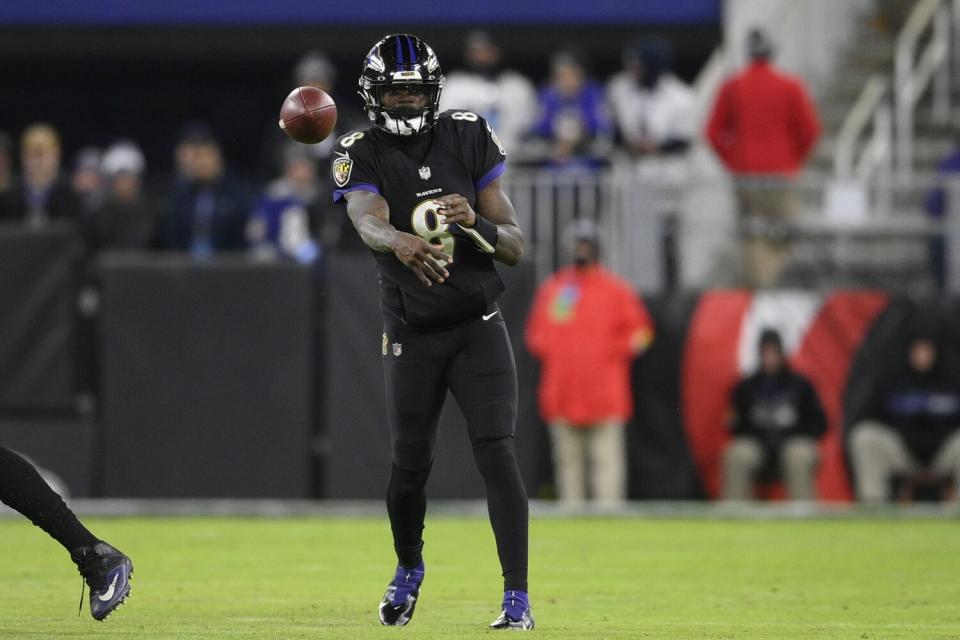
914,71
871,108
863,159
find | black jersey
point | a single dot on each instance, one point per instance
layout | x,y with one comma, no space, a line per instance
459,155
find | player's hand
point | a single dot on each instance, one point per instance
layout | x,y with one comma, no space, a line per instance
455,208
427,261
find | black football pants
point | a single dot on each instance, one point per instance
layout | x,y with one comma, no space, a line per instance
475,362
22,488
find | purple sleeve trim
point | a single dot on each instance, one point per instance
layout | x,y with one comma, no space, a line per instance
361,186
490,176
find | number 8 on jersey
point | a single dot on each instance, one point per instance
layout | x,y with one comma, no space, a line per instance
426,224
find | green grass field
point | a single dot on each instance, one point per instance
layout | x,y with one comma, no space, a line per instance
591,578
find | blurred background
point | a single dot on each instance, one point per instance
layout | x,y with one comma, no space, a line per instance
185,313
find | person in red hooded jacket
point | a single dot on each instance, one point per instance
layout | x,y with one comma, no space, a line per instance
763,127
585,327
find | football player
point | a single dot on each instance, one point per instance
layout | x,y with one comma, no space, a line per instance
104,569
423,190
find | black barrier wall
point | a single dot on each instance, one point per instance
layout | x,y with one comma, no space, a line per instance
206,371
39,280
223,379
211,383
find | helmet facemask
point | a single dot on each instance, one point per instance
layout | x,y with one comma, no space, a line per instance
418,74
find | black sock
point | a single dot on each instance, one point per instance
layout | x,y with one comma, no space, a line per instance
507,504
22,488
407,506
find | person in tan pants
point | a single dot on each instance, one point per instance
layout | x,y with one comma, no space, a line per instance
585,327
777,420
912,426
594,452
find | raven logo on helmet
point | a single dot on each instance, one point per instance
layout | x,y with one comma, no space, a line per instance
401,61
375,62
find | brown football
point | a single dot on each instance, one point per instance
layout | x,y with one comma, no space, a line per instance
308,115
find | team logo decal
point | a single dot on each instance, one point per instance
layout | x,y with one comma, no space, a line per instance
425,173
496,140
432,62
375,62
397,349
341,170
384,346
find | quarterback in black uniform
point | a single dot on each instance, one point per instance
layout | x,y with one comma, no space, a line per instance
422,189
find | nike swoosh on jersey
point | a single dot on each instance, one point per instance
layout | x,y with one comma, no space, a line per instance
490,315
108,594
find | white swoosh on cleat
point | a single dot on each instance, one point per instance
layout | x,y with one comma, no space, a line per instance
108,594
487,317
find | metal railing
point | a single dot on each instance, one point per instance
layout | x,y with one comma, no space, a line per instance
853,159
879,240
863,150
629,213
549,202
921,59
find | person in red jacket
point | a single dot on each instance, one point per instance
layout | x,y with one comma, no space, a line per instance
763,126
585,327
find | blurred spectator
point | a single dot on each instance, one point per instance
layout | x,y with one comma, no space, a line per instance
6,166
506,99
41,195
586,325
209,207
763,126
86,180
126,219
573,121
284,215
313,69
912,428
652,108
190,135
936,206
777,420
654,114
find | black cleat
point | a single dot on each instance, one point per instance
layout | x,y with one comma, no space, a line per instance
108,573
400,600
516,613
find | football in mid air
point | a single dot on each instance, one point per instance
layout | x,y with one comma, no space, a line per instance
308,115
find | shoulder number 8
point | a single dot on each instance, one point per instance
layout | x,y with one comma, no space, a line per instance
348,140
469,116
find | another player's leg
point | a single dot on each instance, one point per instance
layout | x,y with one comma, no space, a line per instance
415,394
483,379
105,570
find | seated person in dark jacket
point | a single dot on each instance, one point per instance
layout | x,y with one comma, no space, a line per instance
209,207
777,421
42,194
911,426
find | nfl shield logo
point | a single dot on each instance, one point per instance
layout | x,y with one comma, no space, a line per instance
425,173
397,349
